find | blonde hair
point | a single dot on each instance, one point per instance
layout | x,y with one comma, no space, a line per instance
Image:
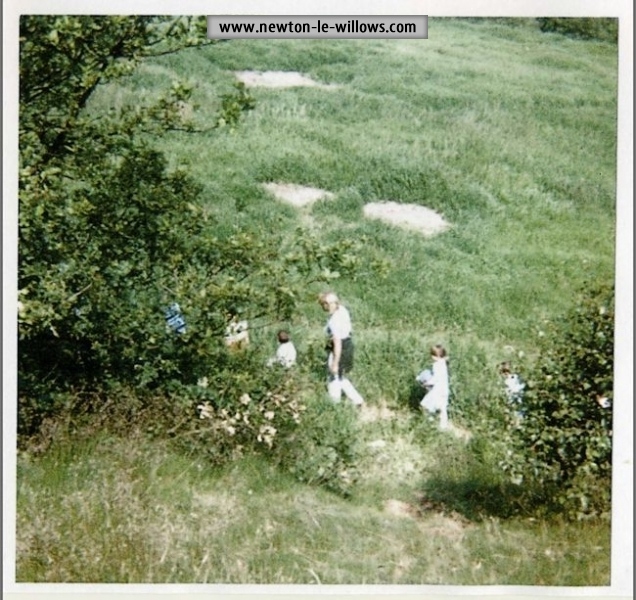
328,298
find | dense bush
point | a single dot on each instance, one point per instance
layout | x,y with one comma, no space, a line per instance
275,414
605,29
325,450
564,439
238,413
110,237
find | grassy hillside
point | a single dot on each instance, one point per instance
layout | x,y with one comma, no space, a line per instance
510,134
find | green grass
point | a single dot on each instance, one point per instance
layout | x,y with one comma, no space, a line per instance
133,511
511,135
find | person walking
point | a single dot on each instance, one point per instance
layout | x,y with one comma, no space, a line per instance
339,349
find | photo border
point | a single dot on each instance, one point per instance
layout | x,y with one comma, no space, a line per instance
622,470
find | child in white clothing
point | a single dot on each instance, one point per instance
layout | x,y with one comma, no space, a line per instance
515,387
436,399
286,351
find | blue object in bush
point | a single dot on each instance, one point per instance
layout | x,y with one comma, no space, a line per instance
175,319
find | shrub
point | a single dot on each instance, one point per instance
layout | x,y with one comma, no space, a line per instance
604,29
250,417
271,415
564,439
324,449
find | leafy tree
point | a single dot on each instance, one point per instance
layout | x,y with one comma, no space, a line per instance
563,441
109,237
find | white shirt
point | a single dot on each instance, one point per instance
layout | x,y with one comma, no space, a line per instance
514,386
286,354
339,324
440,376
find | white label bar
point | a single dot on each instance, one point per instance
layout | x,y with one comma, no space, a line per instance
316,27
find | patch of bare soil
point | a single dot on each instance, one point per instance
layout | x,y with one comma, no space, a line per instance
410,216
297,195
278,79
397,508
376,412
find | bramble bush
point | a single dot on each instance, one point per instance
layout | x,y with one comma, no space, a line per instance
252,416
274,413
563,443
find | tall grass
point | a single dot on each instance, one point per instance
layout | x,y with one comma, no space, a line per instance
511,135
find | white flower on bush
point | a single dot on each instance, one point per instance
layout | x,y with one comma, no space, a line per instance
345,476
266,434
203,382
276,398
245,399
269,415
206,411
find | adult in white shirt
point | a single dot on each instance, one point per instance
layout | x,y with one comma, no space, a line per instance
340,349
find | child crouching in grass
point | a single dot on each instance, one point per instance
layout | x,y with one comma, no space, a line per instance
436,399
286,352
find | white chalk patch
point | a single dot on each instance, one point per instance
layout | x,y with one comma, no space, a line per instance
297,195
409,216
278,79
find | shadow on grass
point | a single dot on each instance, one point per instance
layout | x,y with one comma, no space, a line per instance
477,498
466,479
415,395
